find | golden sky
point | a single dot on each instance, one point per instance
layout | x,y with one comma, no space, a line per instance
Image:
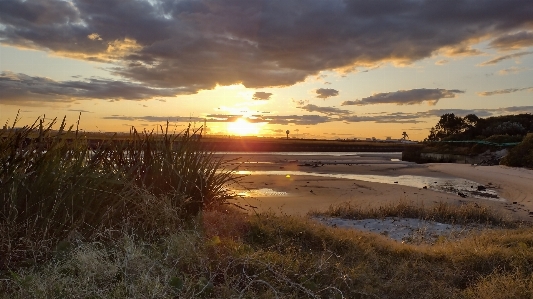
319,68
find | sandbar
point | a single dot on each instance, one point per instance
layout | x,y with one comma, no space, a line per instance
264,186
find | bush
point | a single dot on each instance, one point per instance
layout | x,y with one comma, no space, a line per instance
522,154
504,138
505,128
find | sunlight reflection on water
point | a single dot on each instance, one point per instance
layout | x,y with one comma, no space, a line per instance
261,192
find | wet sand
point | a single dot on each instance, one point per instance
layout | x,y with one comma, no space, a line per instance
297,194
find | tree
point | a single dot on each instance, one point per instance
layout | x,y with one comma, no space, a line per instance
287,132
405,136
448,125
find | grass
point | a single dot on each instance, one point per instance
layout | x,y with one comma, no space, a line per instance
52,187
147,218
470,213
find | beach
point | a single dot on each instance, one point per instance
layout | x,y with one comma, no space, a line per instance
297,183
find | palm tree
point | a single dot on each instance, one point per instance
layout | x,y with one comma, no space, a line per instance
405,136
287,132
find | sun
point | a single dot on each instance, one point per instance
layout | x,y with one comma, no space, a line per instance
242,127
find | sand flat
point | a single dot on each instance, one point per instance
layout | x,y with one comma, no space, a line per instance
305,192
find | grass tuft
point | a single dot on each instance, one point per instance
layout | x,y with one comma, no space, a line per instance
463,214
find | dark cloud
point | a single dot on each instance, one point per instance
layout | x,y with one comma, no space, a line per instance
21,89
503,91
325,110
406,97
513,40
260,95
478,112
391,119
385,117
275,120
324,93
505,57
80,110
197,44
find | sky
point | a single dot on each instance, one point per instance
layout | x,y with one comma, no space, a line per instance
318,68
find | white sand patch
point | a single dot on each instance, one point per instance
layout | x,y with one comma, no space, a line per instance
408,230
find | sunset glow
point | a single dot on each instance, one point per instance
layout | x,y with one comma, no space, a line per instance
358,69
242,127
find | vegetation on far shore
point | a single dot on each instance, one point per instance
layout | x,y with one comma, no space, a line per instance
149,217
471,135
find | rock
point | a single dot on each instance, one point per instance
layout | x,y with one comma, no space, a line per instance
462,194
481,188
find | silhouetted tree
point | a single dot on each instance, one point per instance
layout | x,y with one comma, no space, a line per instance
287,132
405,136
448,125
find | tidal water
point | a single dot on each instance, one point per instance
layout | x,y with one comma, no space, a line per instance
448,185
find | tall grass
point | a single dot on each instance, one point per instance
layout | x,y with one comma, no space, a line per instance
53,185
462,214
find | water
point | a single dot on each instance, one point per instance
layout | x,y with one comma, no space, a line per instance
334,154
261,193
448,185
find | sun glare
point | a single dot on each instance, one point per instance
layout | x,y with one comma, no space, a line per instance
242,127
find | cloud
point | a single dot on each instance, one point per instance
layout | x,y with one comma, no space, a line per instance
80,110
324,93
391,118
308,120
300,102
274,120
513,41
325,110
197,44
512,70
21,89
442,62
406,97
260,95
505,57
503,91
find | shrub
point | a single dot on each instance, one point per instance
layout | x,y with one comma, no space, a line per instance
522,154
504,138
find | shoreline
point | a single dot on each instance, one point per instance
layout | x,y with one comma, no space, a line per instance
298,194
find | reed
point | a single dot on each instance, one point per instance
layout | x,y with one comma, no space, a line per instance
53,185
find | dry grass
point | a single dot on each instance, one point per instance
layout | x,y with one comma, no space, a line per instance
463,214
226,254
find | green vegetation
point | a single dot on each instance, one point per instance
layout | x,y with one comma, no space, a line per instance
470,136
522,154
147,217
455,128
52,187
